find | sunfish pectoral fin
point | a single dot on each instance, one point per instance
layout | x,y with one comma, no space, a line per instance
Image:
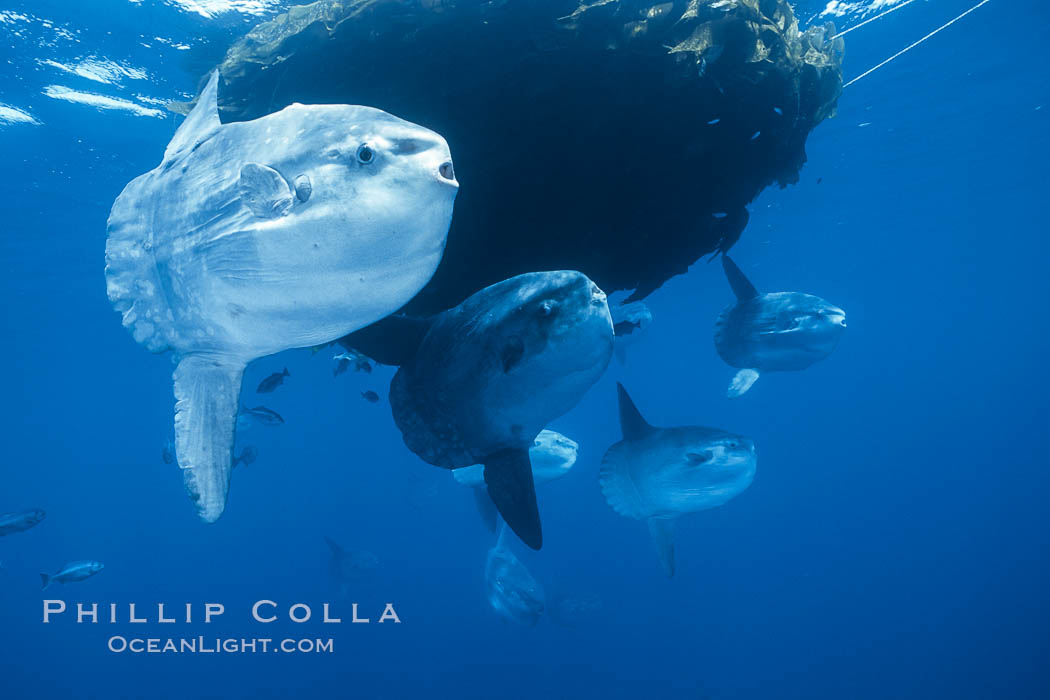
741,285
264,191
662,532
486,508
333,545
508,476
200,124
742,381
206,393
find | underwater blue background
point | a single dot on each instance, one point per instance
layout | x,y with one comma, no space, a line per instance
895,542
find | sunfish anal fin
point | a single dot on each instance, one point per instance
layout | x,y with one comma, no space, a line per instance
742,287
662,532
206,402
742,381
200,124
508,476
633,426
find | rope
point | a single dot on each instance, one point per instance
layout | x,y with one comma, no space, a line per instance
909,48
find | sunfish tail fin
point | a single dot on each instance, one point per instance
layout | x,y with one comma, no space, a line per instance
742,381
741,285
508,476
486,508
662,532
206,393
45,581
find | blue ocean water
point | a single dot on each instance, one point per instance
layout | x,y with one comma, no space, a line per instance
894,542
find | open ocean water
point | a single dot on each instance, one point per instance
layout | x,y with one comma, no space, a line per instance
894,544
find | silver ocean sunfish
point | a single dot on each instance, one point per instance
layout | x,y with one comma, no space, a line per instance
509,587
254,237
776,332
659,474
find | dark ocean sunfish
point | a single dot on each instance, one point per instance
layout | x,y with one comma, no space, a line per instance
347,566
659,474
272,382
74,571
776,332
509,587
491,373
20,521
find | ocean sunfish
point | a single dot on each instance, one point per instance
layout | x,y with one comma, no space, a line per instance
509,587
776,332
552,456
659,474
250,238
348,566
488,375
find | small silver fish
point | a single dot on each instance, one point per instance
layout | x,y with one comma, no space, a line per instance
20,521
260,414
74,571
272,382
370,396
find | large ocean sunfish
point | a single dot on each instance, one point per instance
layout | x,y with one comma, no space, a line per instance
254,237
488,375
775,332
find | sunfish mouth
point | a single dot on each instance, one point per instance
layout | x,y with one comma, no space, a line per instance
447,173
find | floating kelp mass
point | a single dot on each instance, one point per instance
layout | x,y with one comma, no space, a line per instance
623,139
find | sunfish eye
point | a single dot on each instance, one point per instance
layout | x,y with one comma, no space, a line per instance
365,154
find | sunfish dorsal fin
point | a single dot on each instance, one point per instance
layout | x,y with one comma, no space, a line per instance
200,124
333,545
742,287
508,478
633,426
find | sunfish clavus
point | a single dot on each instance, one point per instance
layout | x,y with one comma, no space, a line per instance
254,237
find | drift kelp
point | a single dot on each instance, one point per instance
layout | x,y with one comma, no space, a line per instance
690,107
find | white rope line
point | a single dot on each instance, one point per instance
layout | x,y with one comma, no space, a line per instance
872,19
909,48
